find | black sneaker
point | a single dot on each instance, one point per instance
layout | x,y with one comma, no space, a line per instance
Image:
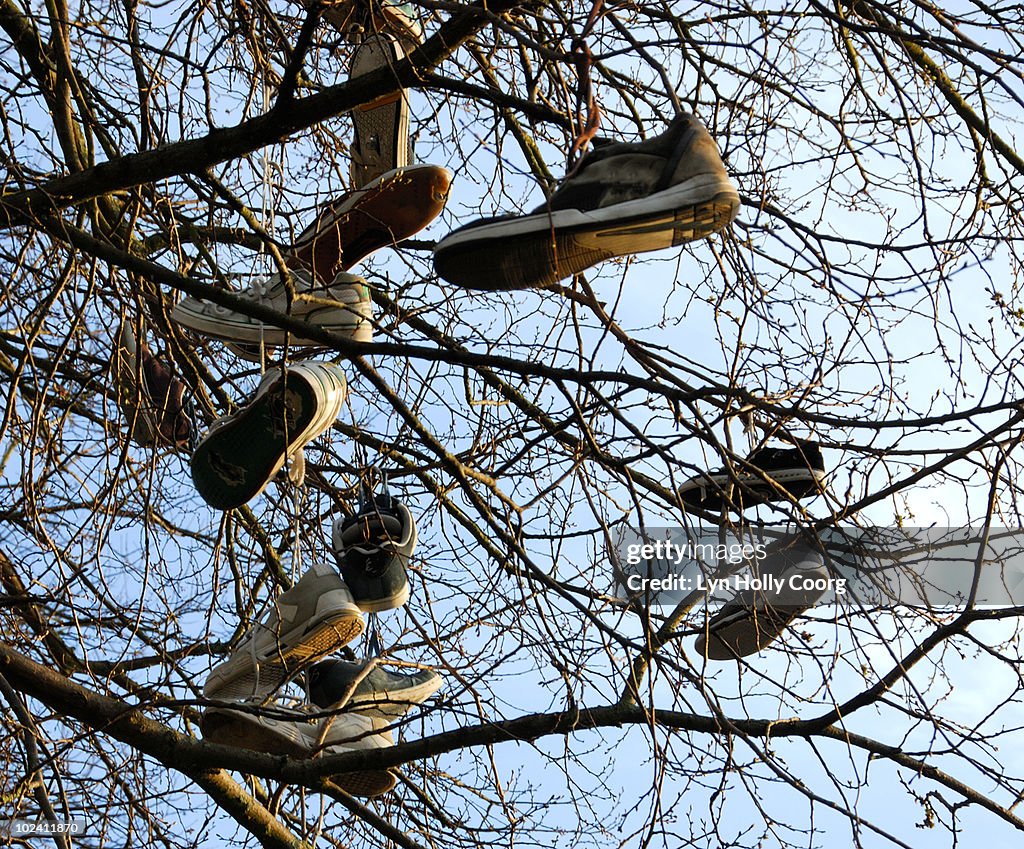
372,549
623,198
792,473
335,684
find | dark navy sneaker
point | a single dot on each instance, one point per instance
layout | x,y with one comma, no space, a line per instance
754,619
623,198
372,549
791,473
336,684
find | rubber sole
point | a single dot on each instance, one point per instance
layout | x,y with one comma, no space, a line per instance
367,783
237,678
382,126
236,462
541,249
375,605
707,493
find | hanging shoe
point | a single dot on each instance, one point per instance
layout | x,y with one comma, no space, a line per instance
335,684
623,198
150,397
353,18
755,618
794,472
388,210
242,452
344,307
298,736
315,617
381,141
373,549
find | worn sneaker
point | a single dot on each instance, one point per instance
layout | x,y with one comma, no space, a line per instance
755,618
150,397
355,18
299,736
344,306
792,473
391,208
621,199
369,689
242,452
314,618
373,549
381,141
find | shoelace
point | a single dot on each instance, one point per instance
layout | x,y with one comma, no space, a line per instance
258,291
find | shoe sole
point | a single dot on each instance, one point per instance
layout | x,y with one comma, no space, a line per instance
235,463
387,118
243,731
367,783
541,249
395,600
238,679
390,209
708,490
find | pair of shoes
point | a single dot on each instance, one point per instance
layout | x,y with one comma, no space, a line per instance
242,452
621,199
755,618
299,735
324,611
150,397
390,209
768,474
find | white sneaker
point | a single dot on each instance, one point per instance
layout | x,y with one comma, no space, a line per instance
342,307
242,452
299,736
314,618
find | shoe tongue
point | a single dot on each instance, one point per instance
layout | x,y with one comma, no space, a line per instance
373,526
302,280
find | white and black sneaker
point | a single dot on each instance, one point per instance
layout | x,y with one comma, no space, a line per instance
623,198
769,474
299,735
